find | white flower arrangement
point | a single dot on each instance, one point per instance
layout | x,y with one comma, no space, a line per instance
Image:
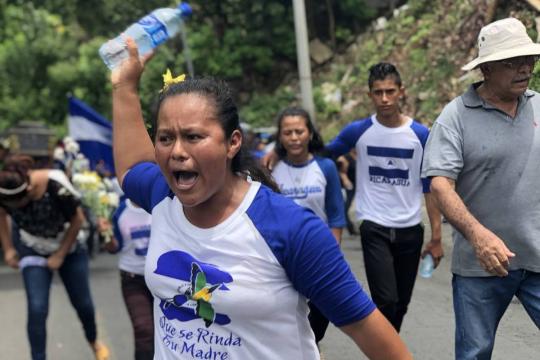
59,154
71,146
96,196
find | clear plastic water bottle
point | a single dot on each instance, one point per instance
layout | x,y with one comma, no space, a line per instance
427,265
149,32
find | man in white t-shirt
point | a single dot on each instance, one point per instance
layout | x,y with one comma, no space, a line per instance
390,147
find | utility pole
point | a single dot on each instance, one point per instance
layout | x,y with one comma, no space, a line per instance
187,53
302,53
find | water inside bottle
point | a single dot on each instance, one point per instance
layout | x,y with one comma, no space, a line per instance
426,266
113,53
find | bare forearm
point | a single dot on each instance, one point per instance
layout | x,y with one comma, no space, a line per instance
5,236
131,143
491,251
377,338
452,207
10,254
434,215
337,234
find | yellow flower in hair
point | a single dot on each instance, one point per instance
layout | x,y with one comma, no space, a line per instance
168,79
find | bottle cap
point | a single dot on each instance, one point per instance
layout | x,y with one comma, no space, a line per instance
185,9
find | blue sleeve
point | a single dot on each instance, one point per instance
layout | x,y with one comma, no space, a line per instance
333,203
145,185
422,133
116,228
347,138
311,257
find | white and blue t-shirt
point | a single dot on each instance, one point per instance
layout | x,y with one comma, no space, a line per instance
388,183
314,185
239,290
131,227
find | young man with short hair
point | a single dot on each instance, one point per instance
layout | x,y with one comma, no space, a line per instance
390,147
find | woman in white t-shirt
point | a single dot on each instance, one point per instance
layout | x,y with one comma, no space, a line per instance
309,180
230,262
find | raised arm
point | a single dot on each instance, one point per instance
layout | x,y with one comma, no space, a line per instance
377,338
131,142
490,250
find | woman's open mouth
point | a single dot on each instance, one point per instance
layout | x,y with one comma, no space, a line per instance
185,179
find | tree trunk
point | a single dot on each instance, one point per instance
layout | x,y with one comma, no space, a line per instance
491,10
392,5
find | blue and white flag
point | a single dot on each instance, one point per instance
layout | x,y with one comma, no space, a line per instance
93,133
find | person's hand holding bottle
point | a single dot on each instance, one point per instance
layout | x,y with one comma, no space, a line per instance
128,74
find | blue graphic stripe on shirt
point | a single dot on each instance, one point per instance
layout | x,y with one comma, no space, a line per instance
389,173
141,252
138,234
390,152
116,227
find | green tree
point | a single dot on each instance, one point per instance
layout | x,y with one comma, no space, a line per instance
49,49
34,40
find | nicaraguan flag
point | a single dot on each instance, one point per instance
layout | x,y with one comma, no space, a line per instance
93,133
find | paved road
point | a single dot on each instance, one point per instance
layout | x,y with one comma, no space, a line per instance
65,336
427,329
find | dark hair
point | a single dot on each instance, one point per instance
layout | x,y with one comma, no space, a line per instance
316,144
15,174
381,71
226,113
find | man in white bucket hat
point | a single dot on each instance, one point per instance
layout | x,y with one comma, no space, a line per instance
483,155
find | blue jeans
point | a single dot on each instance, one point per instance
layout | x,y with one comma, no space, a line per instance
37,282
479,304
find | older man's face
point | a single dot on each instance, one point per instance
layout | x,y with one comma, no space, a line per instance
511,76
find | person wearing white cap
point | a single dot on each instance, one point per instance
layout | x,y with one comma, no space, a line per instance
483,155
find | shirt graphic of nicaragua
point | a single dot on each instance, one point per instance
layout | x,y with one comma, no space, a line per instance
239,290
314,185
388,184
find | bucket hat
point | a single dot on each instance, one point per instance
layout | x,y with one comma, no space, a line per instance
503,39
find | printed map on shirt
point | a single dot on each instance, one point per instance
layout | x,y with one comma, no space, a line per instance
238,290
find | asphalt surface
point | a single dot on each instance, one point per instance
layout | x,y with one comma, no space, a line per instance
427,329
